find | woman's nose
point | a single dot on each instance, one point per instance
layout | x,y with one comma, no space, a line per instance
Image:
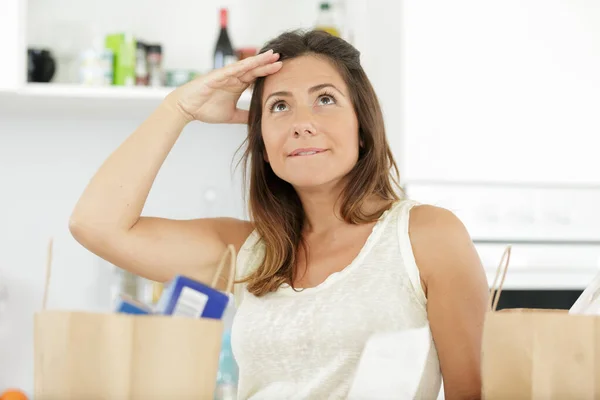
303,124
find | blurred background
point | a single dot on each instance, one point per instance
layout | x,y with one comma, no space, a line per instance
491,108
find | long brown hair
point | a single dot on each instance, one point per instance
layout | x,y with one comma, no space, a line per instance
274,205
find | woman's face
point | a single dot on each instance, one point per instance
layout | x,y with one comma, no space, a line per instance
309,126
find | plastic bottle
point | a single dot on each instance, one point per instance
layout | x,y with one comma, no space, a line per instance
326,19
227,377
154,60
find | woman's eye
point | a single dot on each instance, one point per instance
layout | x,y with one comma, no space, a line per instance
326,100
278,107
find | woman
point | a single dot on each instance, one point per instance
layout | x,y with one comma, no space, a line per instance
332,254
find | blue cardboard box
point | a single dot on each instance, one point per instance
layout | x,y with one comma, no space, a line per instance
187,297
128,305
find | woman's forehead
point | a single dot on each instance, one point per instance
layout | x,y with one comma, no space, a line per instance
302,73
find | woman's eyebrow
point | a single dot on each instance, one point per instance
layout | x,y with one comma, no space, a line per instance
322,86
316,88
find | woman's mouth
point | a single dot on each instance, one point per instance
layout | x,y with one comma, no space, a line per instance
306,152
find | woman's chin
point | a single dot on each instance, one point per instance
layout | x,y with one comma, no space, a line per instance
314,178
313,182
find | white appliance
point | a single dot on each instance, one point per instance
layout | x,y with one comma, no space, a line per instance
554,230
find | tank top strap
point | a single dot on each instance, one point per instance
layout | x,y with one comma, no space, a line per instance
410,264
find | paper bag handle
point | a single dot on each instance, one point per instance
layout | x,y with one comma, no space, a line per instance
496,288
49,256
229,251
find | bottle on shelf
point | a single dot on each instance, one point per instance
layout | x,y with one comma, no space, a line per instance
96,64
326,19
141,64
154,61
123,47
224,53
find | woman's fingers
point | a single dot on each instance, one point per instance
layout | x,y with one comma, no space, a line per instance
240,68
263,70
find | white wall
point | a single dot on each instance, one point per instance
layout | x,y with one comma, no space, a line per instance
187,29
501,91
45,164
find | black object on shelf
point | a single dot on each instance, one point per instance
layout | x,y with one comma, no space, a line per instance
41,65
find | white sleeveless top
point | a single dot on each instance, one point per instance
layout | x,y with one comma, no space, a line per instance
307,344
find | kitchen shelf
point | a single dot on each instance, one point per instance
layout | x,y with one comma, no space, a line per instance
73,100
98,92
105,92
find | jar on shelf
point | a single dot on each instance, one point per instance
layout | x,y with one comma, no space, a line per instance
141,64
154,58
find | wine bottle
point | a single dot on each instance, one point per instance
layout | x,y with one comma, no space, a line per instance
224,53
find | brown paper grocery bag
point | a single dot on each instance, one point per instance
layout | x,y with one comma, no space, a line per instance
85,355
538,354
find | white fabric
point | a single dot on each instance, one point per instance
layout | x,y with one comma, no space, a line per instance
308,344
391,365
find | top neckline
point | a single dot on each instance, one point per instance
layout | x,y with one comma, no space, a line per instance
286,289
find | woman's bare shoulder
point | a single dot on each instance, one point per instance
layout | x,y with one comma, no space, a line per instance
437,235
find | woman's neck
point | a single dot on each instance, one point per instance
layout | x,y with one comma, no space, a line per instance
322,209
